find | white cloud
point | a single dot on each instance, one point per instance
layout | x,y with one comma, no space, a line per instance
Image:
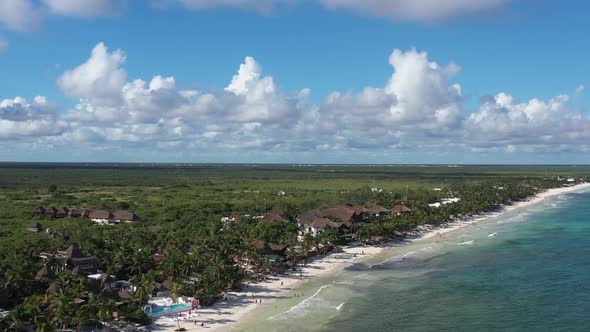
422,89
543,125
419,108
417,102
99,79
580,88
20,118
80,8
20,15
248,113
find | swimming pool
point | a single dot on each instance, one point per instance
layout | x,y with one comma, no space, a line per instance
160,311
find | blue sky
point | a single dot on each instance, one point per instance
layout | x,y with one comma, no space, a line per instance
530,50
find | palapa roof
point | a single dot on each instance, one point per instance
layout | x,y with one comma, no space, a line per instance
51,210
86,264
258,244
77,270
158,287
35,224
78,213
374,208
124,215
400,209
323,223
343,213
45,272
105,278
168,282
53,289
39,210
268,247
308,217
274,216
124,294
74,252
63,211
99,214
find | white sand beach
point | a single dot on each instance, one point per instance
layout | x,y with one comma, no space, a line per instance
225,315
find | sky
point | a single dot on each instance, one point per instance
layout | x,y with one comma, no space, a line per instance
295,81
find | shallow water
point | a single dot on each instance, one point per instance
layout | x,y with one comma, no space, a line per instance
532,275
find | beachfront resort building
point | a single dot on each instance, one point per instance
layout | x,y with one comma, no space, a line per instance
72,259
340,218
100,217
398,210
34,227
444,201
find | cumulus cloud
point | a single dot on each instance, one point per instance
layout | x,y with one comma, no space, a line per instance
80,8
580,88
19,118
247,113
418,100
538,124
99,79
418,108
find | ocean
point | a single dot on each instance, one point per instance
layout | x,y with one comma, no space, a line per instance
525,270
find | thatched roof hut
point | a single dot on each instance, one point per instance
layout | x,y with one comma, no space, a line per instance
45,273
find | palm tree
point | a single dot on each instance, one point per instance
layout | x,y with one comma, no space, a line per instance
176,291
291,256
140,294
140,263
61,309
216,268
87,314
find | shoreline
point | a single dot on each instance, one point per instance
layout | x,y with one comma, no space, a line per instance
226,315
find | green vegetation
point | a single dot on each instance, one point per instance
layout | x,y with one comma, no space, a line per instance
204,256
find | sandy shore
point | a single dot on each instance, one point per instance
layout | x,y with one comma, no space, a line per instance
225,315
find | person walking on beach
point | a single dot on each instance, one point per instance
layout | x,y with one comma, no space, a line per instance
281,283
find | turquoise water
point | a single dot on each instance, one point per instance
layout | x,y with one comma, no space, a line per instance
533,275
